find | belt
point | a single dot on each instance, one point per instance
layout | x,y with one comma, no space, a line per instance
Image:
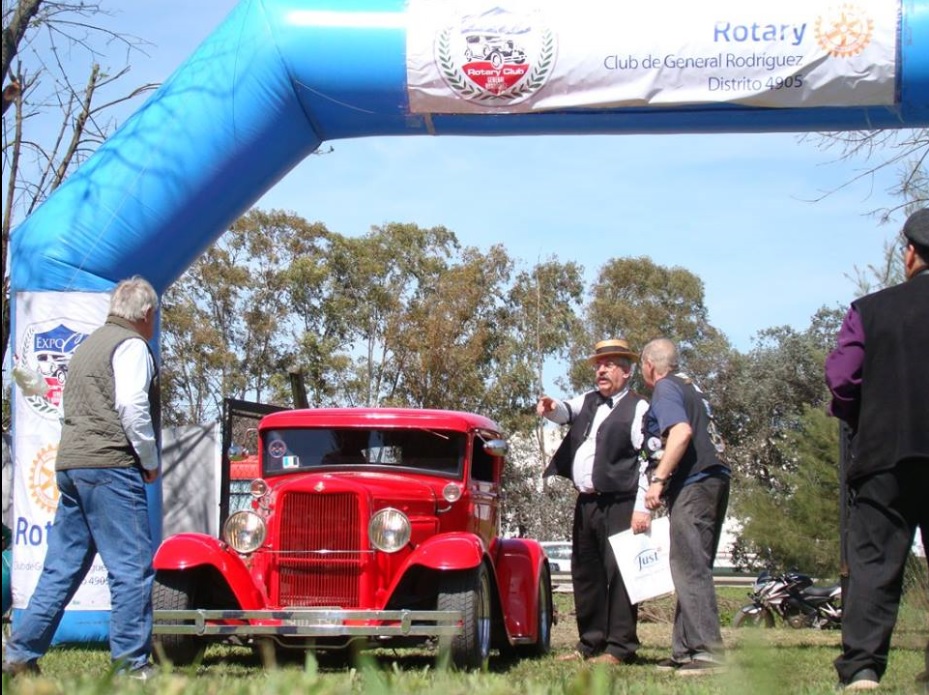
596,495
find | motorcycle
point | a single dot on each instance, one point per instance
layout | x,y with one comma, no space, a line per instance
793,596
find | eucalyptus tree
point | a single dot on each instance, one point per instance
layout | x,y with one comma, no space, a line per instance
372,282
228,323
545,314
637,299
764,394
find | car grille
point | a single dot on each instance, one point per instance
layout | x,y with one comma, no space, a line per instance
320,561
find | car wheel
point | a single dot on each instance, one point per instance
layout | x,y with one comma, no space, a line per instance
496,60
175,591
467,591
545,617
751,616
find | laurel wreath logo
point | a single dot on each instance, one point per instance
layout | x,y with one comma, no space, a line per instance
41,405
530,84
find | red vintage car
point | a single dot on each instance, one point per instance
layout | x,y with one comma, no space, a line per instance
367,527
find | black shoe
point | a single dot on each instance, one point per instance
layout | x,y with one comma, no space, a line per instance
700,667
22,668
671,664
865,679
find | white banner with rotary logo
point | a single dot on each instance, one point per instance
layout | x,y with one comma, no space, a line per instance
48,328
513,56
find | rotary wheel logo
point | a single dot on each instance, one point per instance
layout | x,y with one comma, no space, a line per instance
845,31
496,59
42,485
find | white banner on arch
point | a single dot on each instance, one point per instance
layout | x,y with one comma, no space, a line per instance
466,56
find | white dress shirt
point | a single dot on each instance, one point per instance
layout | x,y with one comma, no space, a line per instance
132,371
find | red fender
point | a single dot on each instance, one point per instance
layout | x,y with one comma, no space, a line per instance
449,551
519,563
187,551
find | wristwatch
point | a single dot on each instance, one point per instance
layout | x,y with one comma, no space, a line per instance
655,479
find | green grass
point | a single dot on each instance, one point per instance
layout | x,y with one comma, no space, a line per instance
781,660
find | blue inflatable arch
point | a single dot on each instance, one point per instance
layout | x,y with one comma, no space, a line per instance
280,77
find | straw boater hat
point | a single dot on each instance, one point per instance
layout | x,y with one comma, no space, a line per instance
612,348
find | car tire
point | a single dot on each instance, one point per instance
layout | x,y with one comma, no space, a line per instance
467,591
175,591
545,618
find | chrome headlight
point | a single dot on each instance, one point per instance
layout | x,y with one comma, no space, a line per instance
389,530
245,531
451,492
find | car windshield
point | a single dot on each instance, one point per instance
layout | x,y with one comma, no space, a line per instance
292,450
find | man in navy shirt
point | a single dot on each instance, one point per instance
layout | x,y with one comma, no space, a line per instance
692,478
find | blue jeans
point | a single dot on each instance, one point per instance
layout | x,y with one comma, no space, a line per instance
100,510
697,515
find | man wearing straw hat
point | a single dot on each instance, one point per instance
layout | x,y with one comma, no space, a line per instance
599,455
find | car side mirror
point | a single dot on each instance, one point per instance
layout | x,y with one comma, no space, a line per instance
496,447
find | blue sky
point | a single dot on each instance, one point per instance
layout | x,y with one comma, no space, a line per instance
737,210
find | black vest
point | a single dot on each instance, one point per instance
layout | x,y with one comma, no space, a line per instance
616,462
893,424
706,448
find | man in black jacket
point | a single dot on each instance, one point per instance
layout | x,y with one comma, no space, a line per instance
600,456
879,378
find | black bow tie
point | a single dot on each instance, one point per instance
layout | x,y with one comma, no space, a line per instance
605,400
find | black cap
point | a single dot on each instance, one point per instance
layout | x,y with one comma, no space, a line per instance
916,228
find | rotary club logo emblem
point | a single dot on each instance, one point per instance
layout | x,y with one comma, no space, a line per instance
42,486
496,57
845,31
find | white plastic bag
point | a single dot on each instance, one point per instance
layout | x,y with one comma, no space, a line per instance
30,381
644,560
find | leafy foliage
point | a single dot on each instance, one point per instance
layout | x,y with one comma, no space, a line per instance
796,524
762,395
636,299
400,316
228,328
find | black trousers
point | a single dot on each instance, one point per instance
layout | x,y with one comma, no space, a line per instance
606,620
885,511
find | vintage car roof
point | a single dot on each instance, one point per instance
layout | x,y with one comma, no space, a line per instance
381,417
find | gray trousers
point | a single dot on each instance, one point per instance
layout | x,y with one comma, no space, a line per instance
697,513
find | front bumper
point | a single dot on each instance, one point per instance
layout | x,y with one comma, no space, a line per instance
315,622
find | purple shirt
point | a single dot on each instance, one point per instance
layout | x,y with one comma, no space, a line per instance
843,369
